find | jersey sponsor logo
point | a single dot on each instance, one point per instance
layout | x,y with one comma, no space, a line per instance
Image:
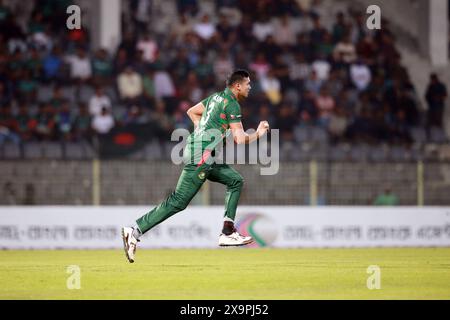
218,98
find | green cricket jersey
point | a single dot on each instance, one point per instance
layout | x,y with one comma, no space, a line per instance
221,109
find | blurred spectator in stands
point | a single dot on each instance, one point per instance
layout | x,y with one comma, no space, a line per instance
33,63
340,27
307,108
82,124
57,98
9,192
98,101
164,86
5,13
260,66
435,96
386,198
141,16
281,72
14,37
30,195
298,71
53,66
303,46
321,67
269,48
345,51
135,115
325,105
313,83
325,48
180,67
121,61
245,31
187,6
360,75
65,121
180,28
45,125
204,71
223,66
162,122
149,47
130,86
286,122
317,34
24,123
262,28
8,126
191,89
205,28
148,85
103,123
337,125
27,87
102,68
226,33
271,87
5,97
80,66
284,31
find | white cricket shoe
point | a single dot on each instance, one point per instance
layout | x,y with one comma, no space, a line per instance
129,243
234,239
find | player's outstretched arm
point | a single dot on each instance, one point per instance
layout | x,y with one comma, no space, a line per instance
241,137
195,113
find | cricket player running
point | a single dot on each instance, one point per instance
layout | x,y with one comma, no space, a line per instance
219,113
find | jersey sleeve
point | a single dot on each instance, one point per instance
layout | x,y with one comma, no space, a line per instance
233,112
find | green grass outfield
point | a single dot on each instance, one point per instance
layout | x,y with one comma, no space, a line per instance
230,273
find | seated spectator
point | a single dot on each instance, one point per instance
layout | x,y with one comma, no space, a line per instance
24,123
98,101
226,33
260,65
360,75
284,31
8,126
103,123
313,83
205,29
263,28
53,65
435,96
299,70
386,198
286,123
180,28
149,48
130,86
337,125
345,51
57,98
27,87
82,124
102,68
65,121
164,86
271,87
80,66
44,128
162,122
223,66
321,67
325,105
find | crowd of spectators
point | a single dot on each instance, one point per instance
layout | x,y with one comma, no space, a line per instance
345,79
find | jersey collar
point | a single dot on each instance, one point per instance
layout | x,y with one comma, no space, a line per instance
230,93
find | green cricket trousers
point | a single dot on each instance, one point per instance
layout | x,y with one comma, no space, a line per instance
189,183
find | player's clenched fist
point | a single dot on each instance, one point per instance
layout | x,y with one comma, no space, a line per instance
262,128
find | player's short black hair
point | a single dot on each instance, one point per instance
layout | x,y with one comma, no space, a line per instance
237,76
